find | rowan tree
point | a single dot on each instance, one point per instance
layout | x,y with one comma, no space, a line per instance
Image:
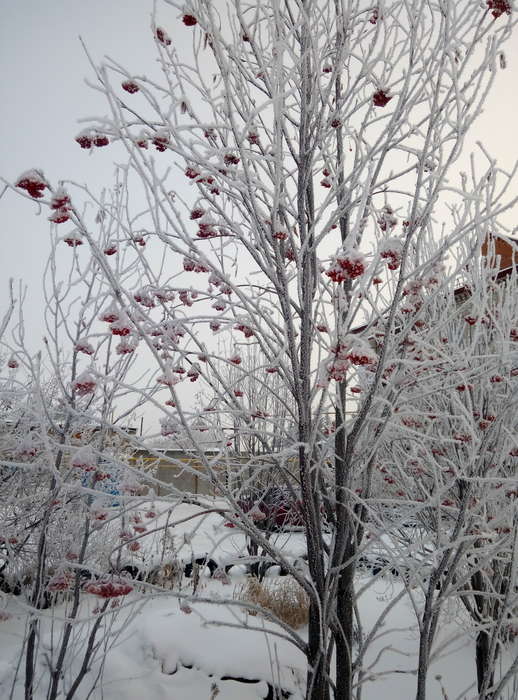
318,138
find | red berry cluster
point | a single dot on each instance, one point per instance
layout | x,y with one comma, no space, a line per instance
84,384
110,315
60,203
87,139
130,86
190,265
361,357
461,437
499,7
120,328
108,589
387,220
34,184
375,16
144,297
347,265
393,257
231,159
326,181
191,173
245,329
162,36
207,230
84,346
290,254
160,141
73,239
381,98
194,372
125,348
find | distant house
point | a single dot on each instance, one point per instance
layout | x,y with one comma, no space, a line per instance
502,253
173,460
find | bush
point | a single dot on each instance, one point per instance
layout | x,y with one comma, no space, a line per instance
283,597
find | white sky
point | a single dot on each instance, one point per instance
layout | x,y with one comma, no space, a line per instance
43,96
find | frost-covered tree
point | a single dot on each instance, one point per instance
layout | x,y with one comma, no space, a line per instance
63,453
318,138
451,448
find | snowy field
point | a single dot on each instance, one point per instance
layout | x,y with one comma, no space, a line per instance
160,645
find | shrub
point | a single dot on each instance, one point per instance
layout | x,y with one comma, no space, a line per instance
285,598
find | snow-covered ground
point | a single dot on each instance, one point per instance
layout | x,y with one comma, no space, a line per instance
159,646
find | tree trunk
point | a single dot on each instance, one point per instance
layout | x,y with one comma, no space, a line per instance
485,671
344,638
317,683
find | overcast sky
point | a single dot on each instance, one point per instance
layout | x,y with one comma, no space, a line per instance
43,96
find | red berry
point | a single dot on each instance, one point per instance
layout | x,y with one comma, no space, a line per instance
59,216
84,384
160,141
374,17
84,346
189,20
499,7
60,199
101,140
130,86
32,181
230,159
162,36
84,139
108,589
191,173
73,239
381,98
